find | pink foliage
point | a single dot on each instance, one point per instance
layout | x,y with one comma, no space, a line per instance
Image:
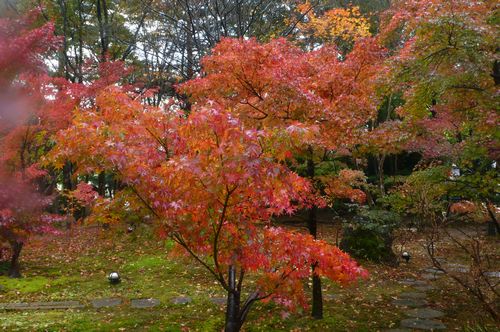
23,50
85,193
22,209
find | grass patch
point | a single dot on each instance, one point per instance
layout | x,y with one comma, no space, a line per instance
24,285
77,269
145,263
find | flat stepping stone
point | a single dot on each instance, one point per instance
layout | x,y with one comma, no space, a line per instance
412,295
106,303
413,282
430,276
218,300
331,296
433,270
144,303
42,305
422,324
424,288
424,313
459,269
495,274
456,265
410,302
181,300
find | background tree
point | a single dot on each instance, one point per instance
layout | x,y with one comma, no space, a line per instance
25,129
277,86
446,60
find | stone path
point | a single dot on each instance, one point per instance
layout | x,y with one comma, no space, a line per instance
106,303
41,305
103,303
414,303
424,313
144,303
218,300
422,324
181,300
421,317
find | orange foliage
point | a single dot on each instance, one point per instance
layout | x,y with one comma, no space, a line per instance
346,186
276,85
335,24
463,207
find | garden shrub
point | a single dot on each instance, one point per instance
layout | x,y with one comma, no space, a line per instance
369,236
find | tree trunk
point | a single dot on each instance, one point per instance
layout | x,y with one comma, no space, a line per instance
14,269
493,226
496,72
189,54
233,321
67,174
79,57
101,184
102,19
380,173
312,225
317,296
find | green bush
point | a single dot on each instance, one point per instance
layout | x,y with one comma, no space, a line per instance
369,236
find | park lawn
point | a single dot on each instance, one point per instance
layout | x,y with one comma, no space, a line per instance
75,268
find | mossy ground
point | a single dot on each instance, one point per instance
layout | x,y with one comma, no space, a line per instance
74,267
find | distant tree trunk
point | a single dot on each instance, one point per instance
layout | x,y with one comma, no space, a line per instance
496,71
380,172
67,174
395,165
102,19
189,69
369,197
380,158
14,268
312,225
79,58
189,54
493,226
101,184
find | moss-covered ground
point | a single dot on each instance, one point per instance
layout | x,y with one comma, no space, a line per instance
74,266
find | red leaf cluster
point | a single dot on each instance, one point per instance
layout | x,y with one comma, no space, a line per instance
277,84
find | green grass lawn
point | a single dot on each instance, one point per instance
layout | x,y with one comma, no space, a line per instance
76,268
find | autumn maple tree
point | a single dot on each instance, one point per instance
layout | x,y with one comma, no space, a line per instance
213,188
24,131
33,107
322,96
446,63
